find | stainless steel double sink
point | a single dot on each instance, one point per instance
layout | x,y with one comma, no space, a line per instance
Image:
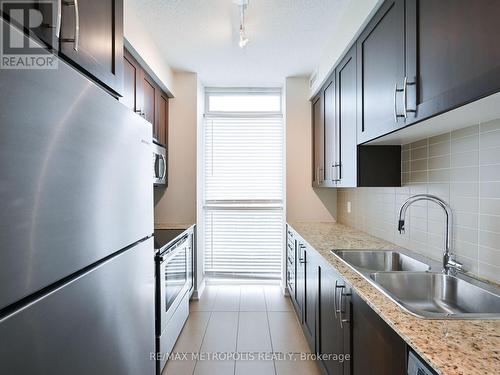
413,283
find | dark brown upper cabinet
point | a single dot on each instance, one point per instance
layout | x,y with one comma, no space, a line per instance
325,143
149,99
452,54
145,97
331,138
318,135
421,58
161,124
91,37
132,89
345,162
381,59
338,160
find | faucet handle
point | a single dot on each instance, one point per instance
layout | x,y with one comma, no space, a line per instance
455,264
401,226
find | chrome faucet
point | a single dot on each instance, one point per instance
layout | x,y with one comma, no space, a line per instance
450,265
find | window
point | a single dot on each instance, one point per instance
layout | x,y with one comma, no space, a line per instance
243,183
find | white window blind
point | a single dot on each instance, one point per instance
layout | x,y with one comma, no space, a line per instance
243,195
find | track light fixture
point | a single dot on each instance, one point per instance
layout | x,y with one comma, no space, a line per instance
242,4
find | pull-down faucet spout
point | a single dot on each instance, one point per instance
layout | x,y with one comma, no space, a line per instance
449,264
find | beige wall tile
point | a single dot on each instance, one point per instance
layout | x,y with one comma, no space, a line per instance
464,132
490,126
489,156
439,149
465,144
419,153
463,168
491,139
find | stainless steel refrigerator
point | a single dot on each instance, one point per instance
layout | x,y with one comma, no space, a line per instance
76,220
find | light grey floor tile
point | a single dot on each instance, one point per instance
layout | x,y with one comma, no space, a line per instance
253,332
206,301
254,368
252,298
214,368
227,299
297,368
276,300
192,334
179,367
221,332
286,334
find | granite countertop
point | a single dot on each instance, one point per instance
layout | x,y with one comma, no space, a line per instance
451,347
173,225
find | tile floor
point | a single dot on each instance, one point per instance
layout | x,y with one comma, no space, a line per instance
241,319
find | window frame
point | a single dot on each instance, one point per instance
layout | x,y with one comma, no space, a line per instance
246,91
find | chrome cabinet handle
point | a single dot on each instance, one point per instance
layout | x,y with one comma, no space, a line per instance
396,90
341,320
405,96
59,18
77,26
335,307
76,39
335,300
336,172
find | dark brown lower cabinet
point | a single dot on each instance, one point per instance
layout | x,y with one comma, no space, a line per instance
310,297
333,322
376,348
347,335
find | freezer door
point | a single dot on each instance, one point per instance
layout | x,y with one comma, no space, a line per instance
75,177
99,323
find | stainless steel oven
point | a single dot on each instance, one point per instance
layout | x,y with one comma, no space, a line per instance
159,165
174,280
174,276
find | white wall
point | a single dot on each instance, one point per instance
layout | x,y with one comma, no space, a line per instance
142,47
352,22
303,203
177,203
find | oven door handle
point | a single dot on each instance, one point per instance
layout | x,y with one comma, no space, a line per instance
174,248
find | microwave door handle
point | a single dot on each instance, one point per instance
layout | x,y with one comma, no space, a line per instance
156,165
164,167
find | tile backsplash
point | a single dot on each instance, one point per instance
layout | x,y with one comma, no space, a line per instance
463,168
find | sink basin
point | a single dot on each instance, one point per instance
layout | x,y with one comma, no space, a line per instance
436,295
381,260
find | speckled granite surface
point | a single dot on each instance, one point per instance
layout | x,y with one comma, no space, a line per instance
451,347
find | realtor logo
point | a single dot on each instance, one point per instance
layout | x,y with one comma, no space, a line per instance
33,18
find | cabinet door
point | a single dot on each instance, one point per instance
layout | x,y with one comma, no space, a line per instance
331,137
376,348
346,160
92,38
300,286
310,298
161,117
380,54
132,88
149,101
291,263
330,332
453,54
318,141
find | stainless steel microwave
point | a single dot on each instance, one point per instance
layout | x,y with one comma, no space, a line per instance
159,165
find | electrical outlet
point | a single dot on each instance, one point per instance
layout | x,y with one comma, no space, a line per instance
349,207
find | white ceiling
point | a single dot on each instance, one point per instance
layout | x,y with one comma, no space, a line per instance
287,37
